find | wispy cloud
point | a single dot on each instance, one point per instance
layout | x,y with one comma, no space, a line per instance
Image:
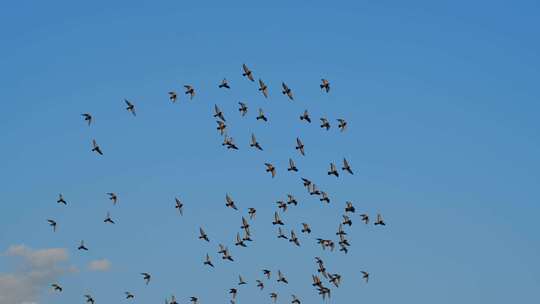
37,270
99,265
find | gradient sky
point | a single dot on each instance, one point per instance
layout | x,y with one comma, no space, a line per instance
442,101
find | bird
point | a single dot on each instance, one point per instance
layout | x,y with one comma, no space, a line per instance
239,241
233,292
203,235
263,88
56,287
282,205
113,197
342,124
349,207
273,296
277,219
179,205
314,190
343,242
306,182
61,199
294,239
379,220
252,213
260,284
270,168
292,166
333,170
346,166
365,275
365,218
146,277
325,85
306,228
241,280
245,224
82,247
89,299
130,107
229,202
227,255
324,197
291,200
229,142
96,148
281,235
173,300
340,230
189,90
218,113
193,300
247,236
300,146
347,220
173,96
325,124
287,91
316,281
108,219
254,142
267,273
129,295
243,109
261,115
324,292
52,223
295,300
281,277
222,127
305,116
87,117
224,84
247,72
335,279
207,261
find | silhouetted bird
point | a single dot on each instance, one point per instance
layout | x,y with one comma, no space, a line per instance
129,295
287,91
281,277
342,124
56,287
254,142
263,88
270,168
146,277
346,166
347,220
229,202
349,207
294,239
113,197
281,235
241,280
365,218
189,90
218,113
365,275
208,261
224,84
179,205
267,273
173,96
89,299
87,117
277,219
243,108
306,228
130,107
273,296
247,72
260,284
292,166
222,127
252,213
261,115
325,124
325,85
61,199
52,223
295,300
305,116
239,241
291,200
96,148
82,247
379,220
202,235
300,146
108,219
333,170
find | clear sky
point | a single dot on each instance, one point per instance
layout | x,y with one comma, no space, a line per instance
442,102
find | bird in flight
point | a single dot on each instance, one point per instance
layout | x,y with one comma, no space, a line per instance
305,116
239,241
173,96
56,287
333,170
89,299
263,88
61,199
113,197
252,213
193,300
267,273
108,219
335,279
221,127
270,168
292,166
129,295
130,107
261,115
300,146
325,124
245,224
281,235
52,223
260,284
224,84
314,190
243,109
82,246
349,207
254,142
346,166
306,182
287,91
281,277
233,292
179,205
247,72
208,261
282,205
229,142
294,239
342,124
87,117
96,148
241,280
218,113
306,228
273,296
227,255
146,277
365,218
325,85
189,90
203,235
291,200
347,220
379,220
295,300
229,202
365,276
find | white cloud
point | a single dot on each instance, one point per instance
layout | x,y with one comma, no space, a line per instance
99,265
38,269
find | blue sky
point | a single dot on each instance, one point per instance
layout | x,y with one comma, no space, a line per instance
442,102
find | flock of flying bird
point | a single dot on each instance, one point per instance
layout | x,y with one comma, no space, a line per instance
241,240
